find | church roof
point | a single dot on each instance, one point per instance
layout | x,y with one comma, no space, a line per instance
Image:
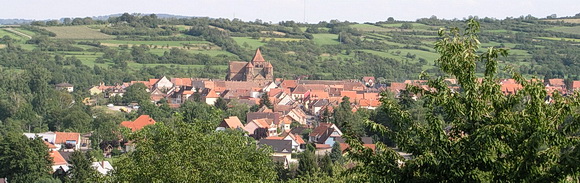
268,65
258,56
250,64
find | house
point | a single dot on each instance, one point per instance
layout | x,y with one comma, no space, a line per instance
139,123
70,140
369,81
211,97
297,115
58,161
259,128
318,105
258,69
281,148
232,122
59,139
49,137
65,86
325,133
268,115
298,144
163,84
103,167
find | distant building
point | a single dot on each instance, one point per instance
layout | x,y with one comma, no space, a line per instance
256,70
139,123
65,86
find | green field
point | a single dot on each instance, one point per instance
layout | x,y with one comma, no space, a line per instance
253,43
559,39
4,32
325,39
369,28
154,43
569,30
415,26
77,32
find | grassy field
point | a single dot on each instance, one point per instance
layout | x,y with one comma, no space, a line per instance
569,30
77,32
154,43
325,39
415,26
369,28
570,20
254,43
4,32
559,39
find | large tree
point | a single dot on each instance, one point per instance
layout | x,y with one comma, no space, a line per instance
477,134
81,168
23,159
136,93
187,152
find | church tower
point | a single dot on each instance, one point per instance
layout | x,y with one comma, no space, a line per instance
257,69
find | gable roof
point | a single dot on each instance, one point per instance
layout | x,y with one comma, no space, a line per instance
279,146
233,122
260,115
49,145
57,159
62,137
139,123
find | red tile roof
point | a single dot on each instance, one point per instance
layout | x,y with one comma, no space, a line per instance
275,138
139,123
212,94
49,145
62,137
57,158
323,146
233,122
344,146
258,56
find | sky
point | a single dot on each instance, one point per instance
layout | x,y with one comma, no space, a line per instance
298,10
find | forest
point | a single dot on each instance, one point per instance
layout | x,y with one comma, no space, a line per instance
475,135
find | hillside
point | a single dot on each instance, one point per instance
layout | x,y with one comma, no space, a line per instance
390,50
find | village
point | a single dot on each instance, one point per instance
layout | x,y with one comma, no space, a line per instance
292,120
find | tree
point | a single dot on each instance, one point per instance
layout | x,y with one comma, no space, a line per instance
186,152
81,168
222,104
307,162
136,93
23,159
407,26
326,165
265,101
491,137
336,154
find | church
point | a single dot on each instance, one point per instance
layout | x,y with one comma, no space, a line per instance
255,70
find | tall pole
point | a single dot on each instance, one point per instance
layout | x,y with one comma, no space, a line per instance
304,11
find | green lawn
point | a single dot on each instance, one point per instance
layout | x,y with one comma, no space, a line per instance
325,39
253,43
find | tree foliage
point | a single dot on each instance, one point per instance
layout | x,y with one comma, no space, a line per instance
23,159
186,152
478,134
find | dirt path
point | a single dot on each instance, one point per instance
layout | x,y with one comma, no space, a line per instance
18,32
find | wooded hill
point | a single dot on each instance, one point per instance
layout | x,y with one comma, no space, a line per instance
390,50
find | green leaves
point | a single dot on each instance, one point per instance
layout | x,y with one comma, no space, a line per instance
478,134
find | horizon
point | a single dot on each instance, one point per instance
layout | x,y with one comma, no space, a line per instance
312,11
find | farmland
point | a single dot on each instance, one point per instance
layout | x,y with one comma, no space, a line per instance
77,32
175,46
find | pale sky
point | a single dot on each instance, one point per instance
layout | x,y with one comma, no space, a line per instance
298,10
